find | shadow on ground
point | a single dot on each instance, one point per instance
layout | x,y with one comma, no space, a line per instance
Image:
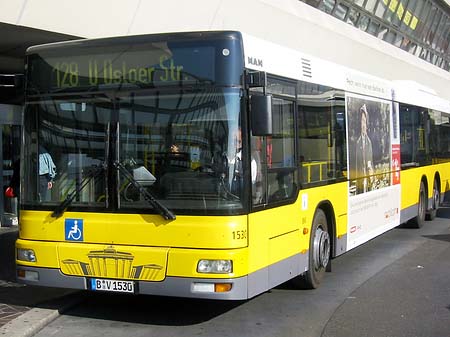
14,294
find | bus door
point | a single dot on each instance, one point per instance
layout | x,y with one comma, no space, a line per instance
275,184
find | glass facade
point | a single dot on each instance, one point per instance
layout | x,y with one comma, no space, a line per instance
420,27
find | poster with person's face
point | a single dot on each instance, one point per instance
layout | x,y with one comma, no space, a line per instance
373,148
369,141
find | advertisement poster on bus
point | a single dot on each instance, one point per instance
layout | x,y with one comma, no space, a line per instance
373,164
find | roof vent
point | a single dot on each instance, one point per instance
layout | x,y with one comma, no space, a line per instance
306,68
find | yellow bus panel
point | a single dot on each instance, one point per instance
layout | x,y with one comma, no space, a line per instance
214,232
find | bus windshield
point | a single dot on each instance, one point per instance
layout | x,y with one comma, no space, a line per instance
181,146
187,141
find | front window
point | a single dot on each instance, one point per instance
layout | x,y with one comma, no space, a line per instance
138,124
65,148
183,147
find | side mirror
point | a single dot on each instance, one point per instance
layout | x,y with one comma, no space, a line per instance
261,115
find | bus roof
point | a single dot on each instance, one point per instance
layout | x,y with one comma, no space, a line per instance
263,55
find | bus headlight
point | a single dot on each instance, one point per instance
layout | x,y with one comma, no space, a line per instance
215,266
27,255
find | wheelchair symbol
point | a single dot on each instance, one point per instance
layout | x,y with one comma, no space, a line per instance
75,232
74,229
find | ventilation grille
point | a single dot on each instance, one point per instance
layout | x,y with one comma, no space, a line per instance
306,68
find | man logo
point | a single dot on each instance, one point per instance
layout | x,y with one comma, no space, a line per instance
254,61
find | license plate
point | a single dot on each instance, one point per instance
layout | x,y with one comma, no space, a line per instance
119,286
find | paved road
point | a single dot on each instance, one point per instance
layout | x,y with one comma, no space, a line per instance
410,297
395,285
29,307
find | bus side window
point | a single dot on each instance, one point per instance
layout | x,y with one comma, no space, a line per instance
274,156
414,140
321,132
280,174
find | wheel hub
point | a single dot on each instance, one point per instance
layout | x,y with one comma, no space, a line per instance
321,248
435,198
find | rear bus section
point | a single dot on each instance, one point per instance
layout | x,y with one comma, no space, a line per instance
425,158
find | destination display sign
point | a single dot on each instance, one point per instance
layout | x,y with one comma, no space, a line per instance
109,70
149,67
95,67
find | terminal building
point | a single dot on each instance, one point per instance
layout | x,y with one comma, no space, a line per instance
365,33
420,27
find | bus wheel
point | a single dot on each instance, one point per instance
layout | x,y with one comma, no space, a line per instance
319,253
431,214
419,220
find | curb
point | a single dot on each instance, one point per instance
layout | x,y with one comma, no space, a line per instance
33,320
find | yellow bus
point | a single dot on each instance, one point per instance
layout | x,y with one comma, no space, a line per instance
214,164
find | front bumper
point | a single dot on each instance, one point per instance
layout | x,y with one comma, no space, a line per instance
170,286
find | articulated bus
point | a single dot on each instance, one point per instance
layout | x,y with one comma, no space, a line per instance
215,164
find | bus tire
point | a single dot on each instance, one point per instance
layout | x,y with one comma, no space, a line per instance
319,253
419,220
431,214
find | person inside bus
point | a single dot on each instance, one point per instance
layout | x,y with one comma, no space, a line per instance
174,160
363,155
236,165
255,169
47,173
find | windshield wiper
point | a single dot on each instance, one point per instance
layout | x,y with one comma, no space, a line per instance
163,210
94,172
